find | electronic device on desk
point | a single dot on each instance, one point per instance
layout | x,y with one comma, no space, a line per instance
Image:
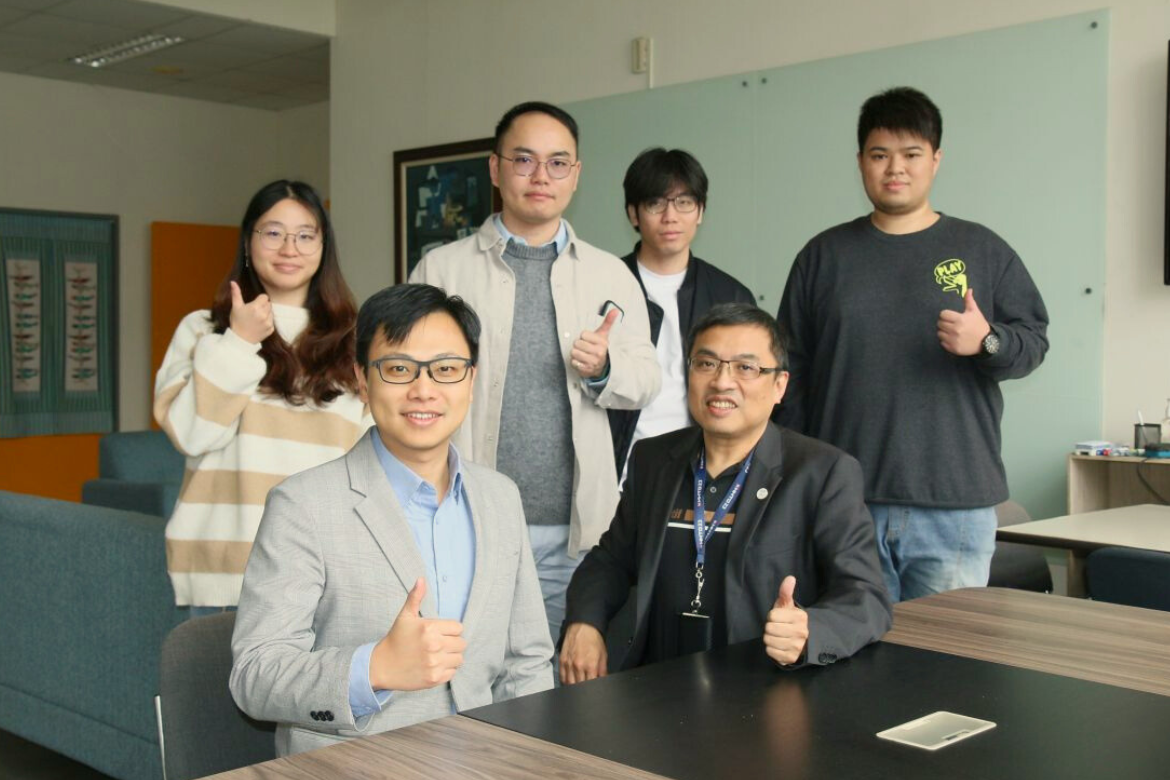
1095,447
1158,450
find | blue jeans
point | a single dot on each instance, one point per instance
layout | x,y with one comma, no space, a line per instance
554,568
925,550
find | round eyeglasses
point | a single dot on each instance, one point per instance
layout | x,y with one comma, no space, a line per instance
683,204
403,370
526,165
740,369
306,241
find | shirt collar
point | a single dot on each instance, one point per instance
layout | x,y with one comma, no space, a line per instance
406,483
560,240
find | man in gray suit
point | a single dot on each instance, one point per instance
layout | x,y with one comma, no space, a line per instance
395,584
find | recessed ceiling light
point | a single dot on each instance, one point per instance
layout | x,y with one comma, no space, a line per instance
123,51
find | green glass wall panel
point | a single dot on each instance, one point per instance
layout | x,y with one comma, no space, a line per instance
1024,112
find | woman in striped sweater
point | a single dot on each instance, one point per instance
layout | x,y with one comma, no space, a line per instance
259,387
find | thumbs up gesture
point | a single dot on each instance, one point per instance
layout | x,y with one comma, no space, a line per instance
591,349
962,333
786,631
417,652
251,321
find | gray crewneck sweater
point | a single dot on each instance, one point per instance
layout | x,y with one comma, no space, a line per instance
536,428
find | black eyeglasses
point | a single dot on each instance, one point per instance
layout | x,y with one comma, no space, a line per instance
526,165
740,369
683,204
403,371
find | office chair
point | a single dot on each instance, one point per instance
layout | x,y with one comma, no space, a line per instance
1122,575
1019,566
200,729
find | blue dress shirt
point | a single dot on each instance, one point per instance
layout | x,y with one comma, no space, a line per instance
445,537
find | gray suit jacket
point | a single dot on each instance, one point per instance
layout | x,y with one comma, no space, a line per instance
331,567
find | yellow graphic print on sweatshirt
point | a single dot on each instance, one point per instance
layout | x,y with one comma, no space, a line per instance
952,275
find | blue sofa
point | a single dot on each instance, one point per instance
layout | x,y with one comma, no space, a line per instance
86,604
139,471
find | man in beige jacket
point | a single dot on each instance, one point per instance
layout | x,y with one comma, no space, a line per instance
566,336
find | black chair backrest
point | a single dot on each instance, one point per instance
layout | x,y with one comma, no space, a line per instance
201,730
1122,575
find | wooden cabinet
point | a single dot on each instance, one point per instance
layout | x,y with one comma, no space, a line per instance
1100,482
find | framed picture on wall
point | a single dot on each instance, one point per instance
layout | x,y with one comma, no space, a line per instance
441,194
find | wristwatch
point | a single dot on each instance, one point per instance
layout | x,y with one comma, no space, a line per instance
990,344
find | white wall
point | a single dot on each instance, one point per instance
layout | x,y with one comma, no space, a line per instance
146,158
416,72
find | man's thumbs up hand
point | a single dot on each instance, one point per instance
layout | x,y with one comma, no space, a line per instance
786,631
417,652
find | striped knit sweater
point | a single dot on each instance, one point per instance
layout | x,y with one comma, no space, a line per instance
239,443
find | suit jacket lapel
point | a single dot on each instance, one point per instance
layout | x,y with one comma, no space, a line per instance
485,565
766,474
660,493
383,515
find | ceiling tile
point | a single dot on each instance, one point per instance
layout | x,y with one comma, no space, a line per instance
37,48
270,102
59,70
222,57
310,93
316,54
118,13
268,39
198,91
83,35
11,15
293,68
114,78
31,5
194,28
16,64
165,64
250,81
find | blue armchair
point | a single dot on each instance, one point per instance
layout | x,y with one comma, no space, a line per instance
139,471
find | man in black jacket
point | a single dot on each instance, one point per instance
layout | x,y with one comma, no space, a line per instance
666,194
733,529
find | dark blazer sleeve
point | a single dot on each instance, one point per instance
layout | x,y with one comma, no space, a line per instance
602,582
853,609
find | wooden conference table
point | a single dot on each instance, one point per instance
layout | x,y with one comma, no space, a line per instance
1068,540
1077,688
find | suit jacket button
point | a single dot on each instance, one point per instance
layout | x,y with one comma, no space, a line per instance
827,658
629,641
313,715
328,715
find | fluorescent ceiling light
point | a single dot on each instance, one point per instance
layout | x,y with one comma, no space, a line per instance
125,50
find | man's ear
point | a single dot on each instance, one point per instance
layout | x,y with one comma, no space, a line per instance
632,215
363,388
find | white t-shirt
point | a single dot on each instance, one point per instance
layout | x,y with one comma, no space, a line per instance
668,412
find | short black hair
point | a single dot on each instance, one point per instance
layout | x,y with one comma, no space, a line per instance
900,110
395,311
655,171
534,107
726,314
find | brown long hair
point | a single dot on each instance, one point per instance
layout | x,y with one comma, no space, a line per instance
319,365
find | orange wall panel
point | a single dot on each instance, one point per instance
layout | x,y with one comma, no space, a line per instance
53,466
187,263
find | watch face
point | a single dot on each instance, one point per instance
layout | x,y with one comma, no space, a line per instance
991,343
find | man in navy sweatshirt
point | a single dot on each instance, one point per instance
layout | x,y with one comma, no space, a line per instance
903,323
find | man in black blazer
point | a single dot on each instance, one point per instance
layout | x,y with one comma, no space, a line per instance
785,547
